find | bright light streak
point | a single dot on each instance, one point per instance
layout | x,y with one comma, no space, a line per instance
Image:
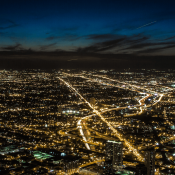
147,24
82,134
120,136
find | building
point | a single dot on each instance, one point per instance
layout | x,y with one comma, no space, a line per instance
150,162
141,169
70,165
113,158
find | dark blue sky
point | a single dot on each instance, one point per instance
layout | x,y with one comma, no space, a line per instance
92,26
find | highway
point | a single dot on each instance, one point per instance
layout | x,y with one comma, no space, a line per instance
120,136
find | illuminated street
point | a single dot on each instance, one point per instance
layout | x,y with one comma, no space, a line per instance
87,87
63,121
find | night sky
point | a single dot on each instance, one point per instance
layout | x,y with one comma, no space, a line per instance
87,30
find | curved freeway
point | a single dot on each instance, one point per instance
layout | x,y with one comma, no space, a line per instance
119,135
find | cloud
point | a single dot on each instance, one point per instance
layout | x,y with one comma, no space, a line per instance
102,37
98,47
135,44
173,37
71,37
149,47
136,39
67,37
61,30
152,50
121,41
59,50
65,29
15,47
6,24
45,47
148,44
52,38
